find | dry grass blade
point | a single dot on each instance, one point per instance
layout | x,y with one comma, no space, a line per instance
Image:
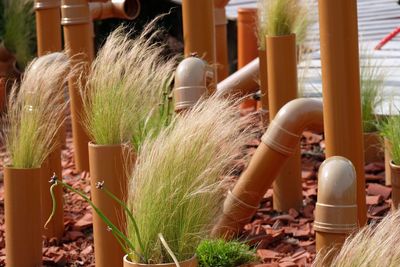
126,88
176,187
373,246
35,111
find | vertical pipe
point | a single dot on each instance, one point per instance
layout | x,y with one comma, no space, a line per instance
78,35
48,32
282,88
247,42
263,70
199,31
341,88
221,39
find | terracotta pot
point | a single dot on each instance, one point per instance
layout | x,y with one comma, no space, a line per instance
188,263
373,150
23,229
107,164
395,174
388,159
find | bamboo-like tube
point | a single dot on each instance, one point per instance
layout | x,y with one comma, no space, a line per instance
221,39
78,35
282,87
22,217
108,165
199,31
336,208
341,88
48,32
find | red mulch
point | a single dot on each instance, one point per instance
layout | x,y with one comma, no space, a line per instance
282,239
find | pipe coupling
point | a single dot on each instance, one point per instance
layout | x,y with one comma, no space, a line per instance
237,210
47,4
280,139
335,218
75,12
220,16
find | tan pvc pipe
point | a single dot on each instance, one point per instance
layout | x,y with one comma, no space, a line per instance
78,35
22,210
221,39
279,142
48,33
191,78
107,165
336,207
242,82
247,43
282,87
199,30
341,88
123,9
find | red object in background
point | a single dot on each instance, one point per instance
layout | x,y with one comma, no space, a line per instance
389,37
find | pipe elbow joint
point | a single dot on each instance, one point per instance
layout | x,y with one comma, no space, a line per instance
122,9
284,132
336,208
191,78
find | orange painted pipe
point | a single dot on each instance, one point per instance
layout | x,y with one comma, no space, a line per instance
199,30
123,9
395,182
48,33
247,43
388,159
221,39
336,207
341,88
262,55
278,144
282,88
23,229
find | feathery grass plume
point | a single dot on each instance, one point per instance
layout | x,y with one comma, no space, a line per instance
282,17
127,89
176,188
390,129
35,111
372,78
374,246
19,31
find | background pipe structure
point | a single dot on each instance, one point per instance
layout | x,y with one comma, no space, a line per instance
48,33
247,43
341,88
336,208
282,88
199,31
221,39
279,142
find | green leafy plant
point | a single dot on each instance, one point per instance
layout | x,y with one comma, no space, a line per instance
390,129
374,245
372,80
221,253
127,89
35,111
18,30
282,17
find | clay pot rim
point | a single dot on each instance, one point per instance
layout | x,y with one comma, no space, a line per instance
159,264
394,165
10,167
287,36
93,144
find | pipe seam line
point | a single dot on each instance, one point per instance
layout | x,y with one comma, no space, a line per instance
240,208
274,137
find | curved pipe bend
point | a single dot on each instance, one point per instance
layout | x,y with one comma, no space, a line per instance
278,143
123,9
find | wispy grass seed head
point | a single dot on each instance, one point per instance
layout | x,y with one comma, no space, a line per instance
176,186
282,17
35,111
126,87
375,245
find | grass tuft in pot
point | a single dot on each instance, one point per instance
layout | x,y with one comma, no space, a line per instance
222,253
35,111
374,245
390,129
126,94
282,17
176,188
372,80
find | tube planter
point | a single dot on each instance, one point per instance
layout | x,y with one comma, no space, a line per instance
262,55
282,88
107,164
388,159
373,151
221,39
23,229
192,262
395,175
